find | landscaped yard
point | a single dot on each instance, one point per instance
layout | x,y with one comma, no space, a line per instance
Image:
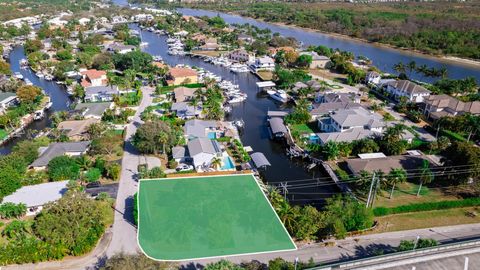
429,219
3,133
405,193
199,217
265,75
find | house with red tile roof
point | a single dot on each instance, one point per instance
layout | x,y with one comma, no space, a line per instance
180,75
93,77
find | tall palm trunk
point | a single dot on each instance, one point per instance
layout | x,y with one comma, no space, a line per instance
419,189
391,192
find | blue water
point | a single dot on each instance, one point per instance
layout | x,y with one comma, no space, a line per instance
212,135
228,164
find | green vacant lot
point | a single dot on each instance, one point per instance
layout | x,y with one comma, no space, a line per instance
189,218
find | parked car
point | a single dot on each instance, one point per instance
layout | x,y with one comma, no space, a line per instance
184,167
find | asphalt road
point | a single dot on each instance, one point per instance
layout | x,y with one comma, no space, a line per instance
124,231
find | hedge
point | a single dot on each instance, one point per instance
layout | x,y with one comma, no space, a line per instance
429,206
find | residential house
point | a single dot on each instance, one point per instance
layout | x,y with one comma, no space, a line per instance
210,45
202,151
184,93
7,100
93,110
197,128
437,106
322,109
178,76
36,196
318,61
142,17
373,77
72,149
245,38
404,88
83,21
343,120
373,163
120,48
242,56
93,77
180,154
100,93
184,110
334,97
119,19
263,63
77,129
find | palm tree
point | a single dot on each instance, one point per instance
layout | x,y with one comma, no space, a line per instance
443,72
216,163
194,102
426,175
331,151
399,67
412,66
287,215
396,176
163,139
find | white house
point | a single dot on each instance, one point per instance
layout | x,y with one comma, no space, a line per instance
343,120
241,55
119,19
263,63
7,100
203,151
403,88
373,77
83,21
100,93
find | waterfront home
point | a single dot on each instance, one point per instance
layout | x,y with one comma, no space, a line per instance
120,48
7,100
263,63
76,130
71,149
343,120
184,110
118,19
241,56
202,151
180,75
36,196
277,127
210,44
373,77
378,162
93,77
182,94
349,135
318,61
94,109
197,128
142,17
437,106
322,109
404,88
100,93
245,38
334,97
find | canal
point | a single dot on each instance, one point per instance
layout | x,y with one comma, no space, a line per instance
57,94
255,132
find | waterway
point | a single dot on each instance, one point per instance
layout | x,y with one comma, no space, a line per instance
382,57
255,132
57,93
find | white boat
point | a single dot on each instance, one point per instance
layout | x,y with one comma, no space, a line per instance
48,106
279,95
237,98
239,68
157,58
239,123
227,109
48,77
144,44
38,115
28,82
23,62
39,74
18,75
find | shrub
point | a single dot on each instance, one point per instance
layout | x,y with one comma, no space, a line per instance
63,168
406,245
113,171
135,208
93,174
428,206
12,210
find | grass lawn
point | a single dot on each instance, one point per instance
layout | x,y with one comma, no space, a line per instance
429,219
3,133
406,193
265,75
200,217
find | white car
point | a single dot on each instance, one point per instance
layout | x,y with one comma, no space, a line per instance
184,168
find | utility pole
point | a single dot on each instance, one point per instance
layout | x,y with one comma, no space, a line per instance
416,242
370,192
438,130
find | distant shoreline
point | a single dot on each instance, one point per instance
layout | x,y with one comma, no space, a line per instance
442,58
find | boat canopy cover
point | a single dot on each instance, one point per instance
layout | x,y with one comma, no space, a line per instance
260,160
265,84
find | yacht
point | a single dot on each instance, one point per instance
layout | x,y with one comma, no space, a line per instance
39,74
279,95
239,68
49,77
144,44
38,115
28,82
18,75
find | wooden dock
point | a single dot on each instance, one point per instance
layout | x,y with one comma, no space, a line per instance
341,185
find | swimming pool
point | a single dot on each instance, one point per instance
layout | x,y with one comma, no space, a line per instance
228,164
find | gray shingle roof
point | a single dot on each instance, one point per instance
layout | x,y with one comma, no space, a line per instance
103,90
96,108
38,195
203,145
196,127
59,149
408,87
277,125
357,117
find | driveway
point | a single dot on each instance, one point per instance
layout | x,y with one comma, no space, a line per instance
124,231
